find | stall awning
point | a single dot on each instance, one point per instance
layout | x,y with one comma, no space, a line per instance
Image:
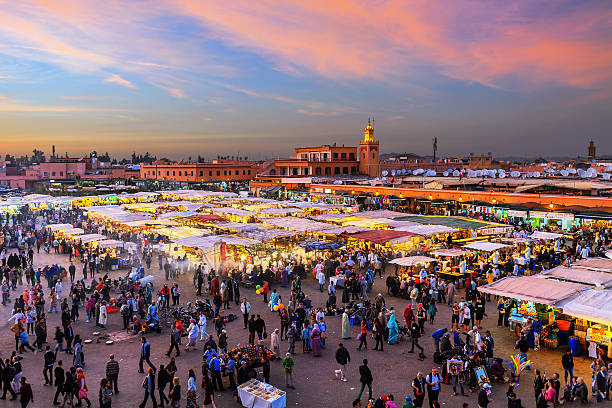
383,236
598,264
110,243
485,246
206,217
272,189
413,260
594,305
426,230
580,275
91,238
347,229
59,227
545,235
533,289
299,224
449,252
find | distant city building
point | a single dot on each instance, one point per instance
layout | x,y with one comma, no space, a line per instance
591,153
217,171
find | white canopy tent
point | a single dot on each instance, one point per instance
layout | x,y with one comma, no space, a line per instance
533,289
91,238
485,246
426,229
299,224
59,227
110,243
594,305
412,260
580,275
450,252
545,235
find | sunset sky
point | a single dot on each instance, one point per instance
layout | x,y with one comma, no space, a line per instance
184,78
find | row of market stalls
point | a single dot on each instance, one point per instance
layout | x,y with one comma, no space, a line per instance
573,303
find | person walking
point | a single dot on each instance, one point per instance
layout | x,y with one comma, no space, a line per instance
175,393
415,333
215,371
7,373
365,377
175,340
69,387
288,364
433,380
191,390
149,386
49,358
163,378
209,392
112,372
363,335
145,354
59,381
25,395
418,387
342,358
567,361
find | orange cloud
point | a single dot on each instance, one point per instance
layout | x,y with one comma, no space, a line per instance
121,81
481,42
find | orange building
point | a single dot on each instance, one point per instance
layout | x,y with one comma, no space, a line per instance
328,160
218,170
368,153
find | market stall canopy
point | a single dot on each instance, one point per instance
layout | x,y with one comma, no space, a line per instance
594,305
485,246
91,238
211,241
237,226
453,222
177,214
73,231
182,232
110,243
452,252
580,275
381,214
517,240
59,227
347,229
187,205
207,217
412,260
233,211
545,235
196,194
265,234
298,224
427,230
383,236
597,264
533,289
281,211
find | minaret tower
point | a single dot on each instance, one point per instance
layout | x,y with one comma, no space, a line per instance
368,152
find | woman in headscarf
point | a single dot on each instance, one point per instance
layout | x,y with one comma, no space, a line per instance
393,329
346,326
273,299
409,315
193,333
315,339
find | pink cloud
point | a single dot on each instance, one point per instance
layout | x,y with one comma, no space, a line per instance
474,41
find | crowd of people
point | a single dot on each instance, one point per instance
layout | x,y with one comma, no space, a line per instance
465,345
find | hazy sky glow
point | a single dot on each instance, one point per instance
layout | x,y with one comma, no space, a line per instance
186,77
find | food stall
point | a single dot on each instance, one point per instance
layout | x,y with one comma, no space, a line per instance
538,297
450,268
